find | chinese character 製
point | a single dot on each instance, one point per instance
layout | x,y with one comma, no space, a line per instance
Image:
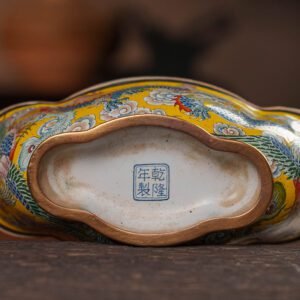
143,189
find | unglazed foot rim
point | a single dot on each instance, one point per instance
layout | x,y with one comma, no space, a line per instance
48,193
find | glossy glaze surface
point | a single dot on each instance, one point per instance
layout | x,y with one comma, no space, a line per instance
220,113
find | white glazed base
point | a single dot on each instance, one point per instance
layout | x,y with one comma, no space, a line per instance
108,177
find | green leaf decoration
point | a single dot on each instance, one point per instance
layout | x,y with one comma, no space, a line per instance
277,203
17,186
6,196
275,150
16,189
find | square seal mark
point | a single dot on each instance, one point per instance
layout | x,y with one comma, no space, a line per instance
151,182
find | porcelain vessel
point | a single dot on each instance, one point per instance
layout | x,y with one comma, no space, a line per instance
150,161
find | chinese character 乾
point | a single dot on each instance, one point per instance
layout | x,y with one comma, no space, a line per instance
158,174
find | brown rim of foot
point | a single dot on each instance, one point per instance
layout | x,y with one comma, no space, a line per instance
158,239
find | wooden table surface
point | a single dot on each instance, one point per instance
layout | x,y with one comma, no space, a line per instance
64,270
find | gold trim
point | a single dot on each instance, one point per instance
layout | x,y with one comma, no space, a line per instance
154,78
182,80
153,239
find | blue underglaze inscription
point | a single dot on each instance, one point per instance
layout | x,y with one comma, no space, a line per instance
151,182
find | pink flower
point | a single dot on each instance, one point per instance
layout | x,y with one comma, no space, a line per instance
4,166
82,124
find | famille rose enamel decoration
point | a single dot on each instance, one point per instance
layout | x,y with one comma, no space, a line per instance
150,161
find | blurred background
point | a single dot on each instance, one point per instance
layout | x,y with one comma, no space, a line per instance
52,48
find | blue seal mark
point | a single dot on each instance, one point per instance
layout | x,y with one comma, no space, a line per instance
151,182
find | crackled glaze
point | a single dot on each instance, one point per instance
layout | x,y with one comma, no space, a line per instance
275,133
